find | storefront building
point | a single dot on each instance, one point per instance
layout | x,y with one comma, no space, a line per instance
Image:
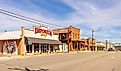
70,38
91,44
29,41
101,46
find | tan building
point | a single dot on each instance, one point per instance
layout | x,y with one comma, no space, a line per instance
70,38
104,46
29,41
101,46
91,44
84,44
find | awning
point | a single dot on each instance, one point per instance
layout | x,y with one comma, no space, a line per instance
42,41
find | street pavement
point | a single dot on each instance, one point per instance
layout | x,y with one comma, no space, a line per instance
82,61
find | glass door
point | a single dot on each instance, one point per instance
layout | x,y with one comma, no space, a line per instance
44,48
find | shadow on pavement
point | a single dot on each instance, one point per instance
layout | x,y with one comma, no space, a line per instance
29,69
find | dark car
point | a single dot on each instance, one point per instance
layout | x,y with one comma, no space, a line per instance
111,49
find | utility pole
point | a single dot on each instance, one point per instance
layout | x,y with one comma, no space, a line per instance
106,44
92,37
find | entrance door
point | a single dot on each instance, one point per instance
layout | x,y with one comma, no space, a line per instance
36,48
44,48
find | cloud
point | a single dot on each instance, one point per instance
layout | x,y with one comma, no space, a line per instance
93,13
103,15
9,23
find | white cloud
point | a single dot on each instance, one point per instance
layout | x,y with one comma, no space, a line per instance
10,23
90,14
93,15
85,13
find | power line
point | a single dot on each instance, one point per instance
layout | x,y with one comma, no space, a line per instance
25,18
19,18
114,37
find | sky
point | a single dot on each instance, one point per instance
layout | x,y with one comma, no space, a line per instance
104,16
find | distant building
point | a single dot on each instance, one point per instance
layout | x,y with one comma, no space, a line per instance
117,46
101,46
89,45
104,46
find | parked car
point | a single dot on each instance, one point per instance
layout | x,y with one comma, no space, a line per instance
111,49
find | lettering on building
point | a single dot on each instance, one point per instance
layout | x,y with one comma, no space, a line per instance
42,31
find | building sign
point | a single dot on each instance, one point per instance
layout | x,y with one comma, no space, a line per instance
44,32
9,47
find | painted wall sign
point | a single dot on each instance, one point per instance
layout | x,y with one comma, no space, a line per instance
9,47
42,31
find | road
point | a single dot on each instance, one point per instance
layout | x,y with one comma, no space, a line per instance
83,61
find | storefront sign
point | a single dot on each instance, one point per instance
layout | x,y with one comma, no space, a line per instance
42,31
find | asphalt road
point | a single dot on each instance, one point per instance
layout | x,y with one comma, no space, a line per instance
83,61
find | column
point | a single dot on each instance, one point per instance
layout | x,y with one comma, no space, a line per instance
39,48
71,46
22,47
95,48
48,48
32,48
29,48
77,46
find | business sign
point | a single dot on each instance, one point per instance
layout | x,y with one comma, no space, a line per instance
44,32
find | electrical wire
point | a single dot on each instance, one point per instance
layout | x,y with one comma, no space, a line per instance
26,18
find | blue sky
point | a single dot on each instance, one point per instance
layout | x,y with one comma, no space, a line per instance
102,15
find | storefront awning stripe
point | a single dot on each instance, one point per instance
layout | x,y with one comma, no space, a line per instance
43,41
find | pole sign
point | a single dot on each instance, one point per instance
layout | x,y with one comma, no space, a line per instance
42,31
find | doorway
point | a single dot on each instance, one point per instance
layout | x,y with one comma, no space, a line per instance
44,48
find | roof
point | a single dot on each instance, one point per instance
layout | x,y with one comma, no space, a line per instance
44,41
66,28
10,35
59,29
73,27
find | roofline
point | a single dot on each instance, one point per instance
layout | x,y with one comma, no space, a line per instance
9,39
59,29
74,27
67,28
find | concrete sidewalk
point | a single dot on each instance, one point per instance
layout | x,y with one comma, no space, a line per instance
8,57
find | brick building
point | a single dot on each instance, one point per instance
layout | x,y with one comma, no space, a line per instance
70,38
91,44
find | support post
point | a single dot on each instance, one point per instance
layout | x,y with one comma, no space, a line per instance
22,48
32,48
77,46
49,48
39,48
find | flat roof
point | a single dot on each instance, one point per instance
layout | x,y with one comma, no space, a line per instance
10,35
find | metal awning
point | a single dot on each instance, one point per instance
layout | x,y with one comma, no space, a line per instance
42,41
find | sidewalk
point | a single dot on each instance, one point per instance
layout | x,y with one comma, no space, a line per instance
8,57
45,54
4,57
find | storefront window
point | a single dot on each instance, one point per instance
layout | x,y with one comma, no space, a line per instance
29,48
44,48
